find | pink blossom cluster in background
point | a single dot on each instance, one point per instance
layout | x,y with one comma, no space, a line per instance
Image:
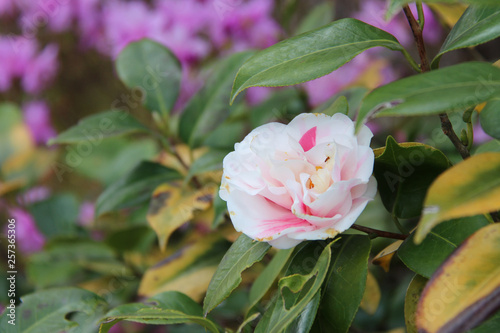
22,59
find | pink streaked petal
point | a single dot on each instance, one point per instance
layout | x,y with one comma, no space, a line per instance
308,140
265,223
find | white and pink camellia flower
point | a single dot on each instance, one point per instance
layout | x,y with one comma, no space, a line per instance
307,180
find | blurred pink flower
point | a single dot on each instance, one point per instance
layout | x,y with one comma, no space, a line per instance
320,90
480,135
28,238
257,95
33,195
37,118
19,60
86,215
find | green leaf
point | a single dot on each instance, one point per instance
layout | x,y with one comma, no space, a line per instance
465,288
48,310
413,292
489,325
353,95
163,309
311,55
93,129
425,258
209,107
210,161
135,188
452,88
298,288
404,172
226,135
305,320
477,25
339,106
152,69
396,5
345,285
267,277
71,260
240,256
491,146
282,104
220,209
490,118
57,215
320,15
469,188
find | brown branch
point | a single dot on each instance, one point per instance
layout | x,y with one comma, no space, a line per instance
379,233
446,125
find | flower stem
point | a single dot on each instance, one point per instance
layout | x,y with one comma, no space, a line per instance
378,233
446,125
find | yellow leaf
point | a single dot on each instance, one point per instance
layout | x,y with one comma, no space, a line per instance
171,206
384,257
189,270
448,13
413,292
466,288
371,297
469,188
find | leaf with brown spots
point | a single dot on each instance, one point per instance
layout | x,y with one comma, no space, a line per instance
465,290
172,205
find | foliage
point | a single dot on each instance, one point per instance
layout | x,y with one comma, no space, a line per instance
159,248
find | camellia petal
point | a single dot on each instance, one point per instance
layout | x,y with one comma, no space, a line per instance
307,180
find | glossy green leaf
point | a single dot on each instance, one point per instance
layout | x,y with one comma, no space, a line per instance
167,308
320,15
345,284
209,107
490,325
490,117
283,104
425,258
135,188
210,161
152,69
465,288
48,311
396,5
267,277
340,105
477,25
93,129
452,88
404,172
297,289
353,95
242,254
468,188
413,292
311,55
305,320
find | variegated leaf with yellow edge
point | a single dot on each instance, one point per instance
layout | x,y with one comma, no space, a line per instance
172,205
465,290
469,188
384,257
188,270
413,292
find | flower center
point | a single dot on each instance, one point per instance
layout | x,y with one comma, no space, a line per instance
321,180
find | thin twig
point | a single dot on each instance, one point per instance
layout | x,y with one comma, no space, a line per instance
446,125
379,233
